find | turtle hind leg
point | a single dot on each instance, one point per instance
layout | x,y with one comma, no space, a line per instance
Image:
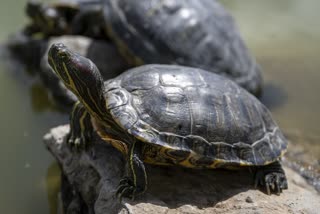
81,129
271,177
135,183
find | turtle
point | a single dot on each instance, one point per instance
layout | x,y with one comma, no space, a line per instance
199,34
171,115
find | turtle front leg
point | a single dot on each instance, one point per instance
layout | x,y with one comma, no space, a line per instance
81,128
135,183
272,177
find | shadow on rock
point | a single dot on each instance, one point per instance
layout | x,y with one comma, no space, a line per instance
176,187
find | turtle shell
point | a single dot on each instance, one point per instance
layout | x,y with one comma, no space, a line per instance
186,32
193,117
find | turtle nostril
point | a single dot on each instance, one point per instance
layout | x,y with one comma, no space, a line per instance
58,47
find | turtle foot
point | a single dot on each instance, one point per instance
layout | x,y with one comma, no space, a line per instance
77,143
272,178
81,130
126,189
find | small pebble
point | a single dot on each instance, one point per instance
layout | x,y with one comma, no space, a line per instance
249,199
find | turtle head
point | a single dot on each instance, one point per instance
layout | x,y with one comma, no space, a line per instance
80,75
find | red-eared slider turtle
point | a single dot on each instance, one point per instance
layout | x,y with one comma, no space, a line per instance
199,34
171,115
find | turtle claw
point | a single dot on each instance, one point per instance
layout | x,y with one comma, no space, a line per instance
274,182
126,189
77,143
81,129
124,180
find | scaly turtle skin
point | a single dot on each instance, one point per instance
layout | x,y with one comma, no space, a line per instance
199,34
171,115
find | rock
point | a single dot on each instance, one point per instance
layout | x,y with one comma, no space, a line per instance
90,180
249,199
304,155
25,49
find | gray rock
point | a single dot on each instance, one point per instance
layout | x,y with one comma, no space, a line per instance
90,179
304,155
25,49
249,199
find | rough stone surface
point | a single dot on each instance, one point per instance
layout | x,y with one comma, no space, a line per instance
304,156
25,49
90,179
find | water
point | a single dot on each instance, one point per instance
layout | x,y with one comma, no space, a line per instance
29,177
284,36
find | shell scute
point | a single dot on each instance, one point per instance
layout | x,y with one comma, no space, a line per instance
140,79
144,132
225,152
117,97
125,116
245,153
186,80
198,145
264,152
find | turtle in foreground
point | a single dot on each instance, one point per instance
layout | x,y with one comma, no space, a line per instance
171,115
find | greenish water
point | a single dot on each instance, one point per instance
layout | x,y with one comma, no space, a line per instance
284,36
29,178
